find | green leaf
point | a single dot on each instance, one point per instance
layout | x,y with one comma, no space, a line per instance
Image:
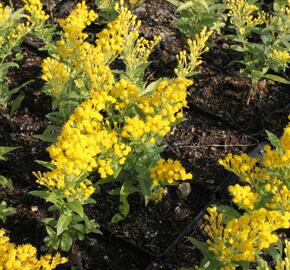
79,227
276,78
15,90
45,164
8,211
229,213
4,150
116,218
151,87
273,251
54,196
245,265
46,138
237,48
77,207
50,221
50,231
39,193
66,242
274,140
5,182
184,6
16,104
63,223
4,69
203,3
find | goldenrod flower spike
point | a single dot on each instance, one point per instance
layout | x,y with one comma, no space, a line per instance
24,257
56,73
281,57
187,62
113,39
37,15
241,13
243,238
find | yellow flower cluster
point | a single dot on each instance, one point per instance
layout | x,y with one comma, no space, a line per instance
187,62
72,188
113,39
281,198
75,151
243,196
268,182
75,23
5,12
241,13
37,15
243,238
83,138
124,92
267,189
242,165
280,56
88,59
55,73
168,172
136,52
161,108
17,33
24,257
12,30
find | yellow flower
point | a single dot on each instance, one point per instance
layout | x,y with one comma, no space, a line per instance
56,73
243,196
241,13
168,172
243,238
187,62
34,7
25,256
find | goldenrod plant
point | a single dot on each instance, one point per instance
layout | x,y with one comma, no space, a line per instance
271,53
238,238
115,128
194,15
265,179
12,31
238,241
24,257
14,26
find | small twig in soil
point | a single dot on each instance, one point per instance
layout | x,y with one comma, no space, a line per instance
216,145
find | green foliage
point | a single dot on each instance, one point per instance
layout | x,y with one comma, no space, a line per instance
262,38
72,223
5,211
194,15
12,32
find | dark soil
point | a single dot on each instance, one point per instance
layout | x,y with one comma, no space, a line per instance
218,121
